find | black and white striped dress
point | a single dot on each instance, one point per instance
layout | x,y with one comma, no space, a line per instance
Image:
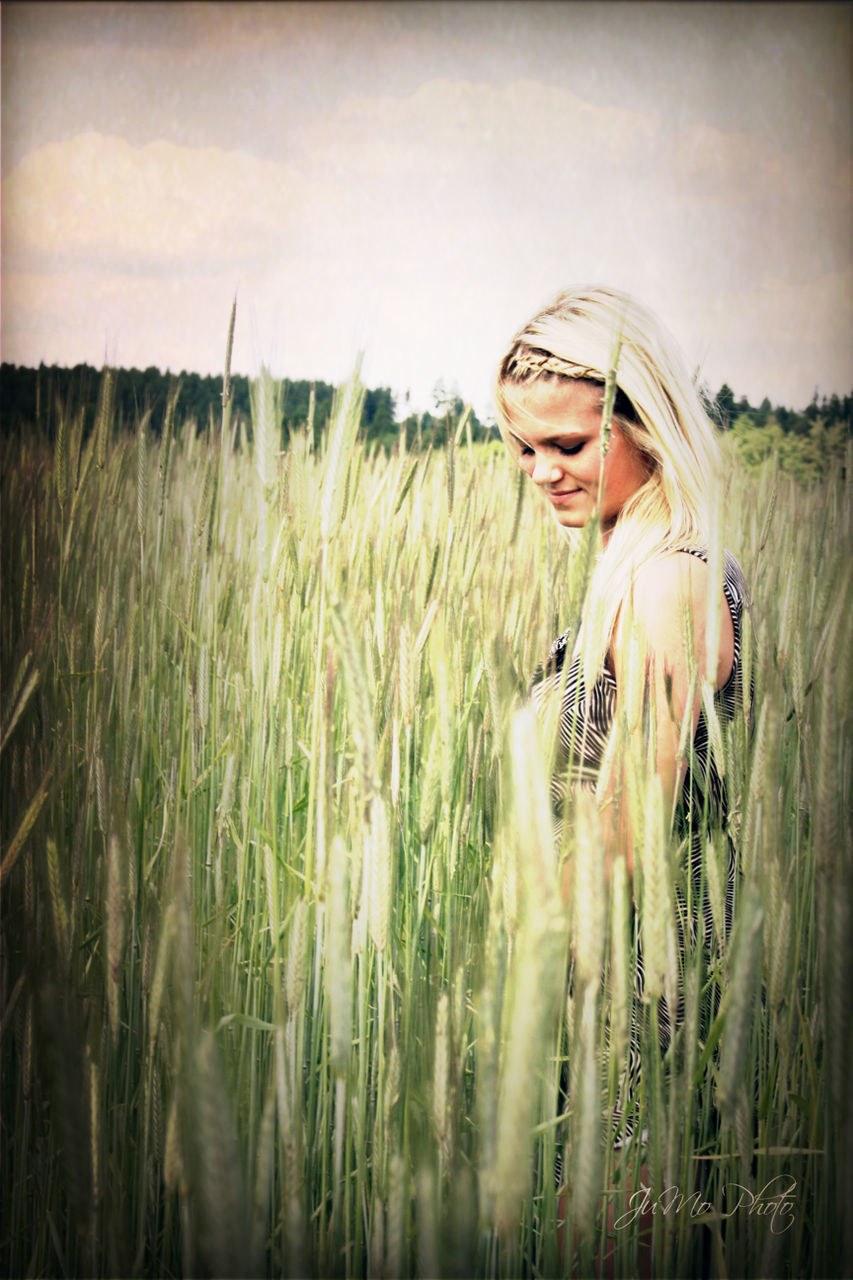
586,719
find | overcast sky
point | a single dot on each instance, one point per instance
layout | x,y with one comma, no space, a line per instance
415,179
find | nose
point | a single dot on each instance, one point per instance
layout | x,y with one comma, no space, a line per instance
545,470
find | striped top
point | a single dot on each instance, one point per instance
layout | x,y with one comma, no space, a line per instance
586,718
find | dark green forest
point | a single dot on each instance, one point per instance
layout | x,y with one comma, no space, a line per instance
39,396
806,440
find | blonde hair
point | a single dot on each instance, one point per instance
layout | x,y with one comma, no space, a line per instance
596,334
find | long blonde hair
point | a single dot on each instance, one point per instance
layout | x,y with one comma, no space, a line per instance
594,333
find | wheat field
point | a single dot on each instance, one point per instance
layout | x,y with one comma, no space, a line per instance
284,978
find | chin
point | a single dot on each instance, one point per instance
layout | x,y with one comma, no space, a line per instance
571,517
570,522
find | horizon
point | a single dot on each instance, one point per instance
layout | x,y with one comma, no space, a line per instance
818,396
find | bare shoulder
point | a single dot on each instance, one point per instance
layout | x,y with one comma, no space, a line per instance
666,585
664,591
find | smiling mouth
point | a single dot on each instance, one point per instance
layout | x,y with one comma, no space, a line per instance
557,495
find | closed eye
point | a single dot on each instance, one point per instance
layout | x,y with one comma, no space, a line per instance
568,449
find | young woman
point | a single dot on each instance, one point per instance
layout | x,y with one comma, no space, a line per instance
597,405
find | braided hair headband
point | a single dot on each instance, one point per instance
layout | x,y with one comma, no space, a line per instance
524,363
531,361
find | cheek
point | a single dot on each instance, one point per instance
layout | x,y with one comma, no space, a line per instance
624,474
588,466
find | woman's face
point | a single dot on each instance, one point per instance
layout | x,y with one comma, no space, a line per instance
557,427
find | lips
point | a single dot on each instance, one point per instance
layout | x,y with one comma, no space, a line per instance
560,495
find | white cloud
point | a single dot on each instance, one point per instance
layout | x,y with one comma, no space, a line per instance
427,228
97,203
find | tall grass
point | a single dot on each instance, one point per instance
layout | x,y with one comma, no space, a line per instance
284,961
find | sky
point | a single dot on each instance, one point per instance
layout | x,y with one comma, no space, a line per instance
414,180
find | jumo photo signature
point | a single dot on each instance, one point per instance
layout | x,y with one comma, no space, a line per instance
776,1201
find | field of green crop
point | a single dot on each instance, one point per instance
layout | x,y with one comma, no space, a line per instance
284,962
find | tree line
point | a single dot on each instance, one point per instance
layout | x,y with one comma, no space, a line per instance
834,408
35,398
806,442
